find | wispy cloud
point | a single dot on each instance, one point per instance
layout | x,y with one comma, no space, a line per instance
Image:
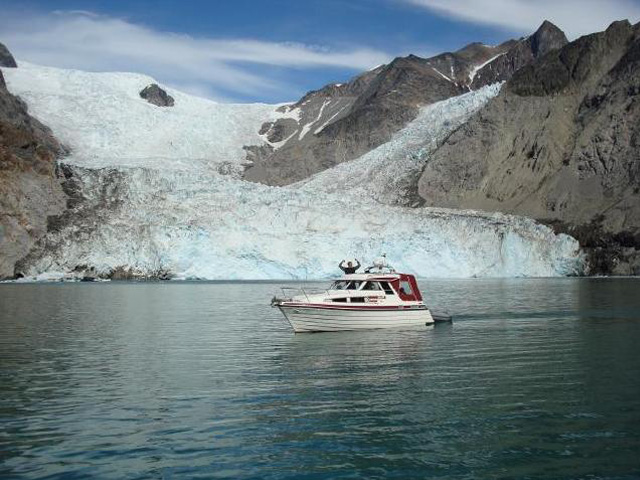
219,67
575,17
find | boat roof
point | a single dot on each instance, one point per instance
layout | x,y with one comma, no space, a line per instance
371,276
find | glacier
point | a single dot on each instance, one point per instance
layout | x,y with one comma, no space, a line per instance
160,192
105,122
389,173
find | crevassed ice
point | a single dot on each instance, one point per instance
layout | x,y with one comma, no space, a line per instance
213,227
151,209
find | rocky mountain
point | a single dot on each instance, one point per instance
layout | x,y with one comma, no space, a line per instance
157,96
520,53
6,59
341,122
29,188
560,143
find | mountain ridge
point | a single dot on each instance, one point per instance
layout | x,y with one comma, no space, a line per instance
561,144
341,122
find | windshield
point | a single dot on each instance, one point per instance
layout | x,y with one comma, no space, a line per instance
339,285
345,285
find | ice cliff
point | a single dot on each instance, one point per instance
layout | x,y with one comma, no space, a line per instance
158,191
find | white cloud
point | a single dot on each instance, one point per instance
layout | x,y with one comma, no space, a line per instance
85,40
574,17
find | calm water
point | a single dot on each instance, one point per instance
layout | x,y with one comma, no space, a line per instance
535,379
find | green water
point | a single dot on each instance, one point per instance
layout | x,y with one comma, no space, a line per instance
534,379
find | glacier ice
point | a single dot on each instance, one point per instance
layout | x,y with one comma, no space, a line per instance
151,208
214,227
103,119
389,173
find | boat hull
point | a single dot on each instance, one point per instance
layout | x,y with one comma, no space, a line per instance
332,319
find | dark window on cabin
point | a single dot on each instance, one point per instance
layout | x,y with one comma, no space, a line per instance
339,299
387,288
353,285
357,299
406,288
371,286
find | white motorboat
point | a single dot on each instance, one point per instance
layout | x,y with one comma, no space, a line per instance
375,299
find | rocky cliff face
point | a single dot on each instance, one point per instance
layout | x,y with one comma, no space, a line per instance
6,59
29,189
561,144
344,121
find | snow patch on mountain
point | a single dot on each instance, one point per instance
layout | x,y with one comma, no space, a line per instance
443,75
330,119
477,68
308,126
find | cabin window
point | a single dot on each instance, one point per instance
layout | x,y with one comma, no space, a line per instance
357,299
371,286
339,285
353,285
387,288
405,288
343,300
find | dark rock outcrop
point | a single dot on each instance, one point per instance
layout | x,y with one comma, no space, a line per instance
520,53
29,188
84,212
343,121
157,96
560,143
6,59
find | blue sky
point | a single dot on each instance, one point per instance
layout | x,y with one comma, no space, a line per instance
274,51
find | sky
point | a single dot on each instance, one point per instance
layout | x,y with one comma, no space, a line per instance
274,51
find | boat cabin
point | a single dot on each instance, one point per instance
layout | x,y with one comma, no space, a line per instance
361,287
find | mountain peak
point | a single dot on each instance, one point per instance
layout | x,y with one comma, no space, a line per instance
409,59
619,28
6,59
548,37
620,24
548,25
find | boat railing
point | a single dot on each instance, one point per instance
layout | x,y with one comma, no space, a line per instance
304,291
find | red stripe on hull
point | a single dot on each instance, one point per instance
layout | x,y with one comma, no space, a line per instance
353,307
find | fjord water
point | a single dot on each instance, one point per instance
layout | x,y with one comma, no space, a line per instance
536,378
